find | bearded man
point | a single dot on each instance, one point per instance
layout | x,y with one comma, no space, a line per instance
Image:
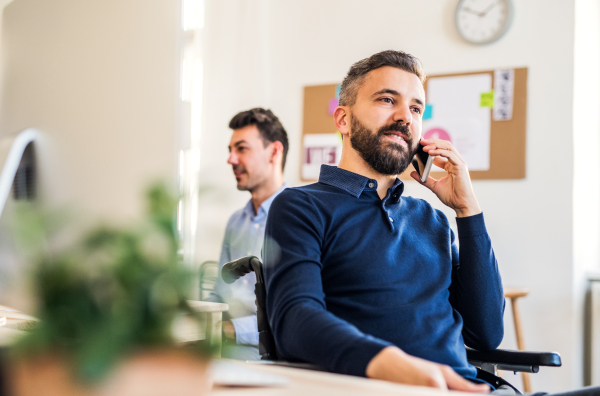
362,280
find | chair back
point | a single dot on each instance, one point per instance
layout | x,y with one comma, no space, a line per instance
234,270
209,273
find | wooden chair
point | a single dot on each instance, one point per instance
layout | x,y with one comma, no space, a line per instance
209,272
513,294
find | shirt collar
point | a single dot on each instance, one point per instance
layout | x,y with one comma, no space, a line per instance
353,183
266,205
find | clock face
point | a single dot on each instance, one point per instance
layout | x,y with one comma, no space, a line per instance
483,21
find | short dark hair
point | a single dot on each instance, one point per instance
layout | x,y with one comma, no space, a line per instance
357,73
268,125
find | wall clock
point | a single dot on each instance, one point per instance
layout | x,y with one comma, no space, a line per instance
483,21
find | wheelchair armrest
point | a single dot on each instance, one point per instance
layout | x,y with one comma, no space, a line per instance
506,359
234,270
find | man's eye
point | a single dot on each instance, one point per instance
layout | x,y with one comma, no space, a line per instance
387,100
417,110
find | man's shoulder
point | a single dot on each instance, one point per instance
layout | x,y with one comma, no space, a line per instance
315,189
311,192
416,202
422,207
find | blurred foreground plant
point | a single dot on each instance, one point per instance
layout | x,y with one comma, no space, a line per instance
114,292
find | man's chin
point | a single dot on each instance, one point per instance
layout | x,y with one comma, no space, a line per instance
395,161
242,185
400,151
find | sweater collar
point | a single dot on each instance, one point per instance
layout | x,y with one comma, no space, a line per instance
353,183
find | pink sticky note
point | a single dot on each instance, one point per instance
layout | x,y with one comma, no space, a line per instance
437,133
333,103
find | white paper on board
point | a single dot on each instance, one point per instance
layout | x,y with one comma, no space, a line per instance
469,138
459,117
504,86
321,148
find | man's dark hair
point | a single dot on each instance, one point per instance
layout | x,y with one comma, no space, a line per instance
357,73
268,125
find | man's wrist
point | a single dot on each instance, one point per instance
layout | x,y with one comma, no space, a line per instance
468,211
228,330
379,365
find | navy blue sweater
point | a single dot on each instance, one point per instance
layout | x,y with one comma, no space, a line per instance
349,274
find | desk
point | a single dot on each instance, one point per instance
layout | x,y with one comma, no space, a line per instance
214,318
16,322
186,329
316,383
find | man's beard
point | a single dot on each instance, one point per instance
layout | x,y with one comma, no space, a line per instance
387,158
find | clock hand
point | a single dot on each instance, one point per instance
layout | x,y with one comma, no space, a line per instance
494,4
471,11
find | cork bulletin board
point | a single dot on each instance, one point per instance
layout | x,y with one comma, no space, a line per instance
507,139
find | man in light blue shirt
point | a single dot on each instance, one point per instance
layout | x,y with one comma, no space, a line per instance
257,153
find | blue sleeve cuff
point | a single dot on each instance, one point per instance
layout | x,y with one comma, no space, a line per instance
246,330
472,226
361,356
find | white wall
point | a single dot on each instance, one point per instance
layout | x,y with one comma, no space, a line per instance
586,160
99,79
237,76
262,53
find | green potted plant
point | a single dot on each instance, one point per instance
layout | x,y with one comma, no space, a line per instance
107,305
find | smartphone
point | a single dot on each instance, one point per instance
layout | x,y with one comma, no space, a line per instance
422,163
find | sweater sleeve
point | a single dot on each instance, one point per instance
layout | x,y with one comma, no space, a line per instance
302,327
476,291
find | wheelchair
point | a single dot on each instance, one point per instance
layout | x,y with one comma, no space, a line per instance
487,362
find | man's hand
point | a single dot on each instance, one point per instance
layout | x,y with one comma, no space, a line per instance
228,330
392,364
454,189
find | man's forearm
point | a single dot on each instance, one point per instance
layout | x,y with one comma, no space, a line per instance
477,291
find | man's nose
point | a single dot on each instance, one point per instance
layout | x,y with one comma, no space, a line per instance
403,114
233,159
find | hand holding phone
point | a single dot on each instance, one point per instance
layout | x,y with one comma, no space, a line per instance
422,163
455,189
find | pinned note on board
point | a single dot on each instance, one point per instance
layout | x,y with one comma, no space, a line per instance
487,99
459,116
428,113
504,86
337,91
321,148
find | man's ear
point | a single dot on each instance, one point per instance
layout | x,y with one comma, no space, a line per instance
341,117
277,151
